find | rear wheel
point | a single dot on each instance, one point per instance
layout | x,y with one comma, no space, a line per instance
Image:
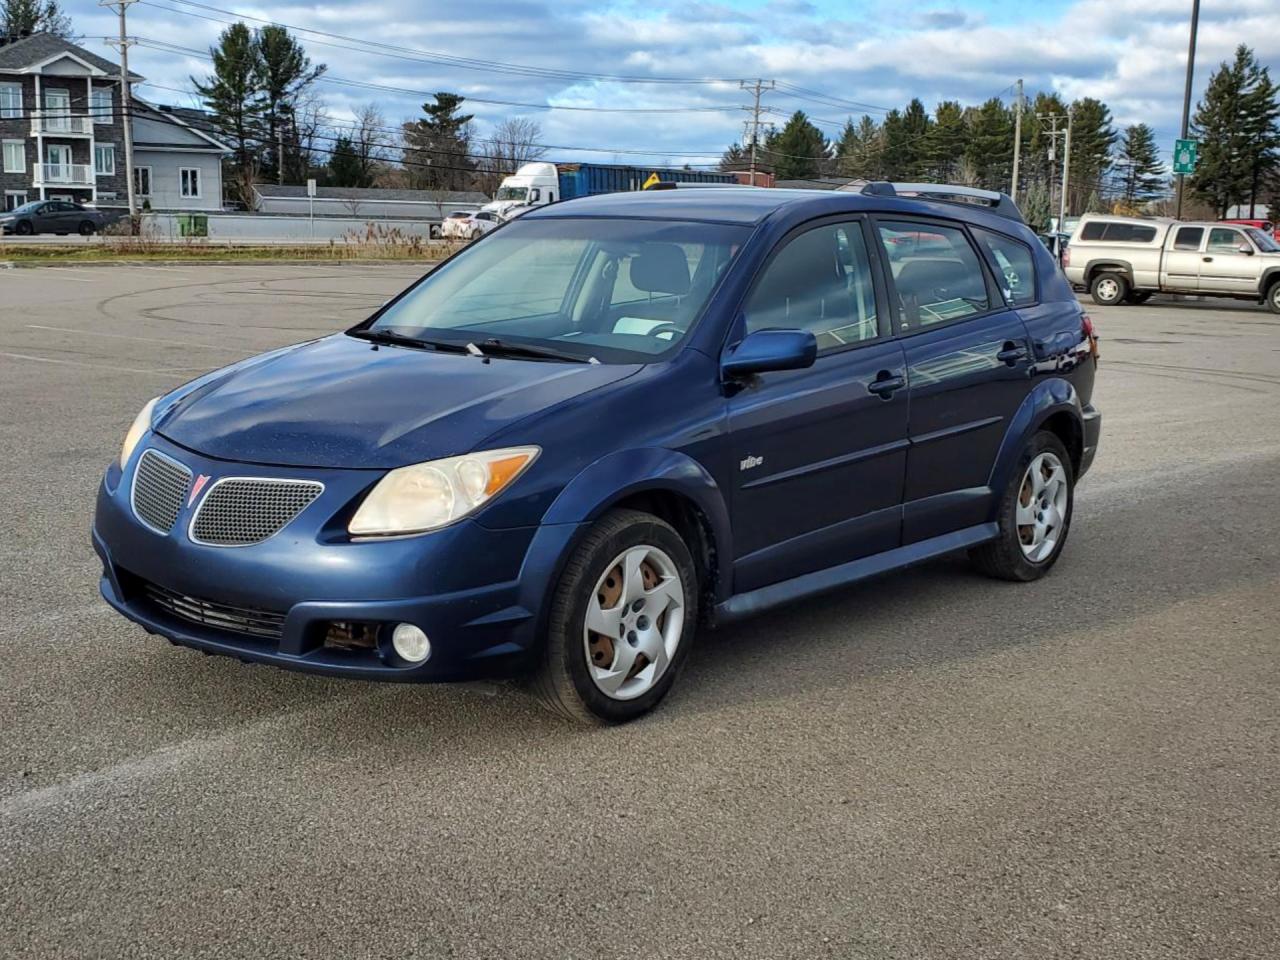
1035,514
1273,296
621,623
24,228
87,228
1108,289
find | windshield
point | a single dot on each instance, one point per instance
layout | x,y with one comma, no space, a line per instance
1262,241
512,193
619,291
25,208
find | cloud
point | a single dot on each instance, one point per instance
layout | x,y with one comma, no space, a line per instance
1129,53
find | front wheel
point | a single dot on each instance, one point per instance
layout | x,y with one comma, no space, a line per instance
622,621
1035,514
24,228
1273,297
1108,289
87,228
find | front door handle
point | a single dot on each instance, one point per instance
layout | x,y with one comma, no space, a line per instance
886,383
1012,353
1207,259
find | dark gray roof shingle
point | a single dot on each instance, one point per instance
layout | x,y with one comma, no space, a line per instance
38,47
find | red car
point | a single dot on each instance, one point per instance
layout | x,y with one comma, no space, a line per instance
1266,226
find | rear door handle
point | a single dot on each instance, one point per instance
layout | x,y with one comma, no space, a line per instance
886,383
1012,353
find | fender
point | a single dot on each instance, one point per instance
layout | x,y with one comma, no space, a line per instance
1107,266
1269,276
617,476
1046,398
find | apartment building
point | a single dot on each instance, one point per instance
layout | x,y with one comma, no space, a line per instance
62,135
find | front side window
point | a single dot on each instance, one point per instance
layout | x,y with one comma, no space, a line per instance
100,105
554,283
821,282
1017,273
142,181
14,156
190,182
1188,238
10,101
104,159
936,273
1224,241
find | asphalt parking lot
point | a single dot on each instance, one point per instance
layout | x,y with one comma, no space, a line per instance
929,765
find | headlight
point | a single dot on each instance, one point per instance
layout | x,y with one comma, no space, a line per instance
427,496
141,424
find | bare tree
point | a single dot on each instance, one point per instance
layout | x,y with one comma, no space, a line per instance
370,140
307,149
514,141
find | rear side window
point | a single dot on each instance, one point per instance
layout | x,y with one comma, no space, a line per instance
1114,232
936,273
1016,271
820,281
1188,238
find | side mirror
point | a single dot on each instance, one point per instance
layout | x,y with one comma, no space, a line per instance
767,350
1245,249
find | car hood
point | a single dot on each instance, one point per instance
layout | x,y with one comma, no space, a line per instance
341,402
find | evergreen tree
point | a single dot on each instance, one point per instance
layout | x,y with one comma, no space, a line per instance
1144,174
862,156
283,72
18,18
437,148
345,168
233,94
735,157
944,147
797,151
1035,207
846,146
989,146
1092,137
1038,163
1236,126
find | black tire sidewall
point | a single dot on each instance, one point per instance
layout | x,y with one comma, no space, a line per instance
87,229
1273,296
1042,442
573,593
1121,283
24,229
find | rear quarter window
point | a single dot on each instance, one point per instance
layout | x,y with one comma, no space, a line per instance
1015,266
1116,232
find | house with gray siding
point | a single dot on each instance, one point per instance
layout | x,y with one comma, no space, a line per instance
62,135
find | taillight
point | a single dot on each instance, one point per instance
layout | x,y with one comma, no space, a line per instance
1086,326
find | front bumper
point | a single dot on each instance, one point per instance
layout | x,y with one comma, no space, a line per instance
477,593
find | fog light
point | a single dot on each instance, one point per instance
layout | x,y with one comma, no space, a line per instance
410,643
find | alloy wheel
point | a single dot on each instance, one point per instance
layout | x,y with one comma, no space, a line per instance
1108,289
634,622
1042,507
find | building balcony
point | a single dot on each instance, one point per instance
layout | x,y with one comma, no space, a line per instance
64,175
61,125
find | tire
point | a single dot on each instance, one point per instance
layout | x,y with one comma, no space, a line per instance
1109,289
24,228
575,665
87,229
1138,297
1273,296
1009,556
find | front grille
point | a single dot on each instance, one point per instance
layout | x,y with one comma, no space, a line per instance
247,621
243,510
159,487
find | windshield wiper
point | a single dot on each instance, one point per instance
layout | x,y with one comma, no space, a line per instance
404,340
493,347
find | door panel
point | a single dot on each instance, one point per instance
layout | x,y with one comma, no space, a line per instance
1223,268
1182,261
821,463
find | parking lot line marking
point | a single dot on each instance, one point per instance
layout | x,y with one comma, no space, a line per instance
97,366
124,336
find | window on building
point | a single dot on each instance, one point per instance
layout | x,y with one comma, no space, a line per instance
10,101
142,181
190,182
100,107
14,156
104,159
13,199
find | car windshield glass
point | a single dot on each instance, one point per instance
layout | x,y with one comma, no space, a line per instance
619,291
1262,241
512,193
27,207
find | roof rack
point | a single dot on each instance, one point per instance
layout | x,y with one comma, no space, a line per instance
1000,204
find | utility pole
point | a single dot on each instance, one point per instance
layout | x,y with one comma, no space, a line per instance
756,87
1186,93
126,104
1017,143
1054,134
1066,171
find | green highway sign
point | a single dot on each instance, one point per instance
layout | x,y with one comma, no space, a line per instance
1184,156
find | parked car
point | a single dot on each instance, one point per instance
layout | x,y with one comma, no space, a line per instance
606,423
469,226
1266,226
1127,259
450,224
54,216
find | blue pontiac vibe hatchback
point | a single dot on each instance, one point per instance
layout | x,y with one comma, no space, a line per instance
607,422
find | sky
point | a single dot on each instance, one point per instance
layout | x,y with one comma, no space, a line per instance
831,59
